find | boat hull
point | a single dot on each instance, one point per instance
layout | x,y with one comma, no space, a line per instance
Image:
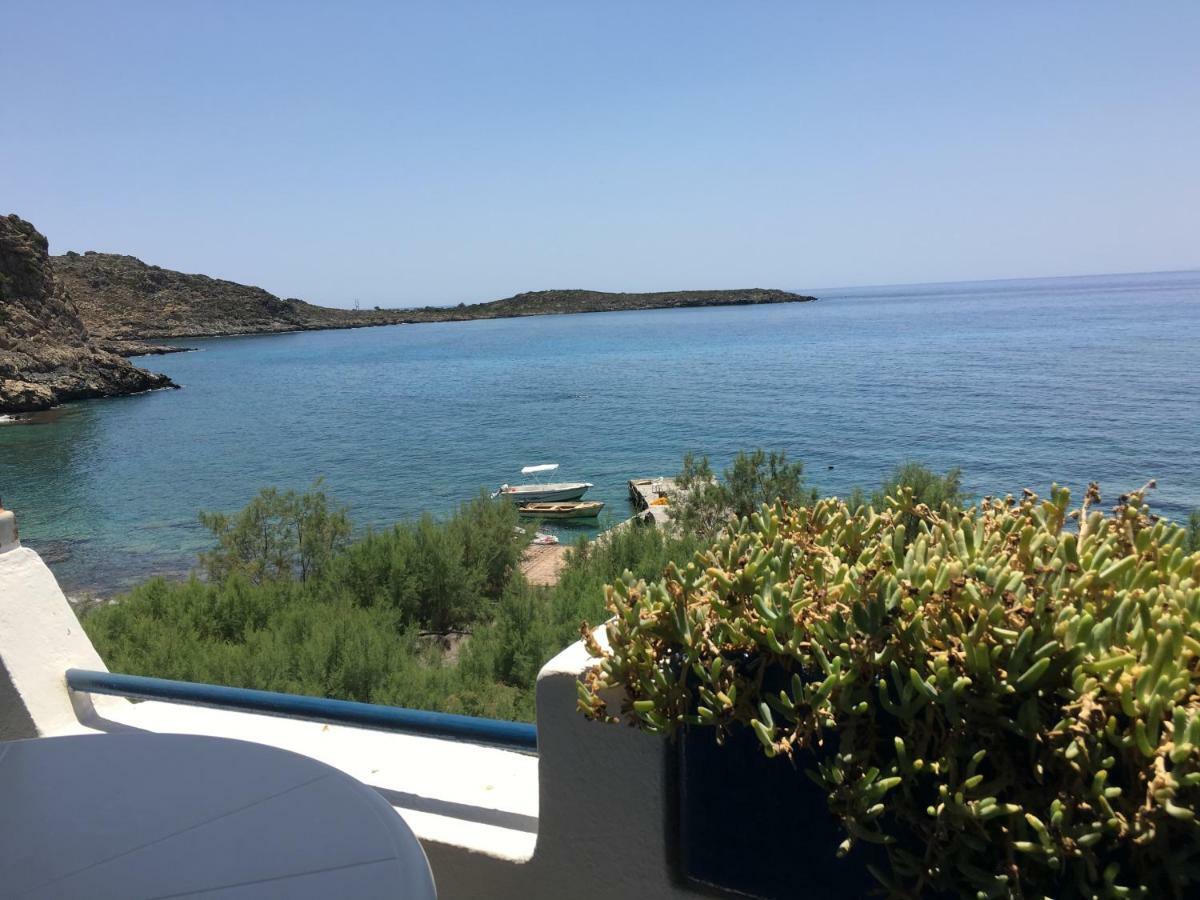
585,510
544,493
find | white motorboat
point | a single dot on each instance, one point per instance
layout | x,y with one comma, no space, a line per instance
550,492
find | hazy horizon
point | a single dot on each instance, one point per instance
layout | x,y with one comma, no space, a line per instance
464,152
792,288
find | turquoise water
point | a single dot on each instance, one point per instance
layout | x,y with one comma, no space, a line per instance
1018,382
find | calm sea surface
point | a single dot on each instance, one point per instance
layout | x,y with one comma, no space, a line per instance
1020,383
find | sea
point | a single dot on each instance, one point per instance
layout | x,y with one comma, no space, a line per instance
1019,383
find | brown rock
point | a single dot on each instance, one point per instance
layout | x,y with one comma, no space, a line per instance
46,354
123,299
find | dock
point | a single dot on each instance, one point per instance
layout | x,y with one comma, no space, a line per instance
652,498
542,564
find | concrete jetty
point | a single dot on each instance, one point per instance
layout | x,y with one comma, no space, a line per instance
648,496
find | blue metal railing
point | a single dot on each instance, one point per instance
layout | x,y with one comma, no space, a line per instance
513,735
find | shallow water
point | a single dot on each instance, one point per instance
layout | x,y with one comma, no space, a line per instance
1020,383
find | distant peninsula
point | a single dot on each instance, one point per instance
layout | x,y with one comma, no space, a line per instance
125,302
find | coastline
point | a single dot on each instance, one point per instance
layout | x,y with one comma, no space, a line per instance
144,345
128,305
463,405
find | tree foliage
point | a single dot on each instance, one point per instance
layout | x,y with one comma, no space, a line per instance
286,604
926,486
277,536
706,503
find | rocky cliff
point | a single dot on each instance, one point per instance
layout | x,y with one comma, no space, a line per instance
122,299
47,356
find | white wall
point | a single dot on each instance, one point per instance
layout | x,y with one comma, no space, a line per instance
587,817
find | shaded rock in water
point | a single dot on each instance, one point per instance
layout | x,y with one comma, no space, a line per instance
52,552
138,348
47,356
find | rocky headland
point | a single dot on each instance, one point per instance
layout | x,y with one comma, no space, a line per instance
124,299
562,302
47,356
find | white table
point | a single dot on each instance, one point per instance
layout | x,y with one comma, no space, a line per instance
157,815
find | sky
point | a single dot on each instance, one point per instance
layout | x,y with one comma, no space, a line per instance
400,154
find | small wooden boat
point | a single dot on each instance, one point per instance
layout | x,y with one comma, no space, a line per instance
587,509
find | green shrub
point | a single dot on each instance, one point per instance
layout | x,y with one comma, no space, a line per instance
440,576
926,485
357,626
1011,706
277,536
532,624
707,503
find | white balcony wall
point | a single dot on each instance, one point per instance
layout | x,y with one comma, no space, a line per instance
587,817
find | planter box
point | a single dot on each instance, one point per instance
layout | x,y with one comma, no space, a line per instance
760,826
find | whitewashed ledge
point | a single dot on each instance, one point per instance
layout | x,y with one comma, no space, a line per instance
588,816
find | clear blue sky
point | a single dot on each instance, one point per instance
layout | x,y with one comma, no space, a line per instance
405,153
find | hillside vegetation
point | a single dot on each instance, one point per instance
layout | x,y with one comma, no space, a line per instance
122,298
430,614
543,303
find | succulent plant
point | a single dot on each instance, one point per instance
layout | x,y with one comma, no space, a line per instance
1008,697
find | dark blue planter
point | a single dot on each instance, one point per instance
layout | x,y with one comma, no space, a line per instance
760,826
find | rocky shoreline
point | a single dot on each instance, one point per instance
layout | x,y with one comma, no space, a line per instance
140,348
126,303
47,356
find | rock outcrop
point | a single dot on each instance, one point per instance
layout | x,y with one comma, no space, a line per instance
47,356
122,298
